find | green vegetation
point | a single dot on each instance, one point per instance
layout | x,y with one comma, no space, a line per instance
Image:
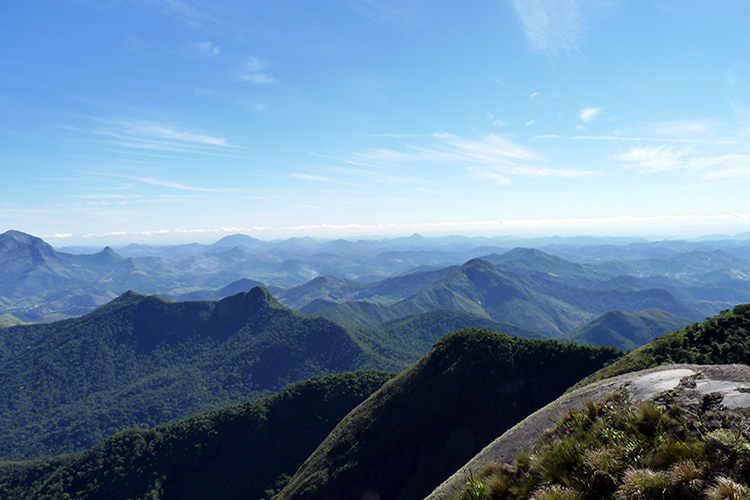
7,320
428,421
146,361
723,339
625,330
619,450
243,451
534,301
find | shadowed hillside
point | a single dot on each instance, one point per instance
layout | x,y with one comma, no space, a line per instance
234,453
421,426
144,361
626,330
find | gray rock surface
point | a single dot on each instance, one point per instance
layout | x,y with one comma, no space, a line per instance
729,385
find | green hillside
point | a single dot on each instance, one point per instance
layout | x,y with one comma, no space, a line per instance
723,339
625,330
421,426
534,301
145,361
237,452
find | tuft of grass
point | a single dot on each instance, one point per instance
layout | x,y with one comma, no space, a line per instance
616,449
642,484
725,489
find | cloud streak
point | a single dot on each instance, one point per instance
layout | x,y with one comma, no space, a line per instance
556,27
181,11
142,135
492,157
658,159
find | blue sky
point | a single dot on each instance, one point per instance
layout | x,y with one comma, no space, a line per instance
185,120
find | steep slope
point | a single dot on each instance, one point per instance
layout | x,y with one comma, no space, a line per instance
673,432
725,338
422,425
625,330
237,452
146,361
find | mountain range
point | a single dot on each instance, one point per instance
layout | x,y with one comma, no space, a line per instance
40,283
410,434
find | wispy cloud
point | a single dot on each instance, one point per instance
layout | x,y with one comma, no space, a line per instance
403,14
657,159
175,185
319,178
181,11
204,49
588,114
555,27
258,78
493,157
251,72
143,135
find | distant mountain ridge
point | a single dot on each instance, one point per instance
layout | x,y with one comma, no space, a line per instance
534,303
625,330
688,279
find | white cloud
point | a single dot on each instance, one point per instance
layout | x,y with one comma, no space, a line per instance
252,72
308,177
493,157
588,114
181,11
652,158
144,135
530,123
559,26
259,78
174,185
534,96
253,64
205,49
657,159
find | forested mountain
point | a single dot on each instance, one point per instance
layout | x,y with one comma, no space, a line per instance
724,338
626,330
422,425
533,302
401,442
144,361
238,452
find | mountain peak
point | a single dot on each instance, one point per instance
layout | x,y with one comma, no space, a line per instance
19,247
238,308
107,255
